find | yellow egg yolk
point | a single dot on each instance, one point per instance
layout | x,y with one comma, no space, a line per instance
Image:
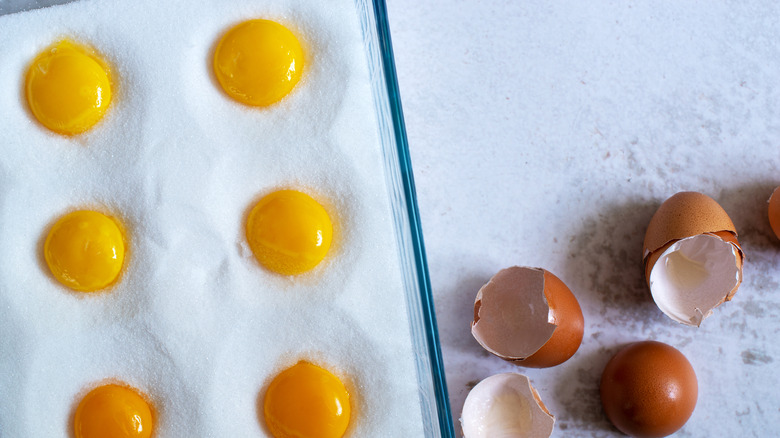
289,232
258,62
85,250
306,401
68,88
113,411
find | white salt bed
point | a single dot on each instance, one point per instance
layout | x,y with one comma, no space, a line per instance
194,322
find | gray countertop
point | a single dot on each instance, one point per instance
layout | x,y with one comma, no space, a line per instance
547,133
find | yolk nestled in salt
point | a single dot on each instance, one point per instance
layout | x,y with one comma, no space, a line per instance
258,62
306,401
68,88
289,232
85,250
113,411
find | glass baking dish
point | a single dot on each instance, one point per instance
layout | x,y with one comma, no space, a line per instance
430,369
436,414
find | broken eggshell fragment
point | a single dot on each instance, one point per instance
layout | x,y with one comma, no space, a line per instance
774,212
505,405
693,261
529,317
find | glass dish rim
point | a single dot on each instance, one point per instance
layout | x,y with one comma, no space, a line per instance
415,225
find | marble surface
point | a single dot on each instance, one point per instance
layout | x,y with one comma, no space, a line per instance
547,133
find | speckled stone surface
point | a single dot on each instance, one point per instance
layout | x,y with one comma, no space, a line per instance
547,133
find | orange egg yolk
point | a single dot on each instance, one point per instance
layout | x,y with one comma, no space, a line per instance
306,401
258,62
113,411
85,250
289,232
68,88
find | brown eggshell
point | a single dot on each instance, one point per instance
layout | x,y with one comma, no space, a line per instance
726,236
683,215
505,405
774,212
648,389
529,317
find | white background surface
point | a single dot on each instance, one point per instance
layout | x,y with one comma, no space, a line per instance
547,133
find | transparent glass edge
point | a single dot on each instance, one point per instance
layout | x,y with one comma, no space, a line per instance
13,6
407,220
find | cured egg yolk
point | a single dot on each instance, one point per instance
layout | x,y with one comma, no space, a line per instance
68,88
113,411
289,232
306,401
85,250
258,62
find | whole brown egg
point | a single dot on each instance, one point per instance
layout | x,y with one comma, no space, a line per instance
648,389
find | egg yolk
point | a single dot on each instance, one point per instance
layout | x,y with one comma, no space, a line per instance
306,401
258,62
85,250
68,88
289,232
113,411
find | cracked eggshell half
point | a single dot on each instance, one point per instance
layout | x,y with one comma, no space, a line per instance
529,317
693,261
505,405
774,212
